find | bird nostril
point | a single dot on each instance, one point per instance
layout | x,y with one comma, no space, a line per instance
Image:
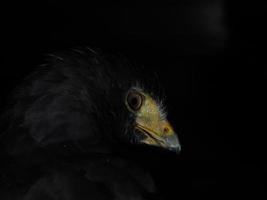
166,130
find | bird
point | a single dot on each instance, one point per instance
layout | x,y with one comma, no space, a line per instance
69,129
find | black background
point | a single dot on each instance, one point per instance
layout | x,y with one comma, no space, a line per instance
211,59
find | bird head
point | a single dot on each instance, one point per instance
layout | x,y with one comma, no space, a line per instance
149,124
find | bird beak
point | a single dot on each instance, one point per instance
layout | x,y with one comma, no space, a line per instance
162,136
172,143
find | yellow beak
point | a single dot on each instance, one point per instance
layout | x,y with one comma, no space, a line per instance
163,137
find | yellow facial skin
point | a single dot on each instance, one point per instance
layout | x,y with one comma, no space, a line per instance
153,124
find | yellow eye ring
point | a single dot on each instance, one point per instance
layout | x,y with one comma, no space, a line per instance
134,100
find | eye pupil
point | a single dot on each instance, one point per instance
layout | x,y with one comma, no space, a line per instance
134,100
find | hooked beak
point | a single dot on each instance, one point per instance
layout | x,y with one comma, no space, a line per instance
167,140
172,143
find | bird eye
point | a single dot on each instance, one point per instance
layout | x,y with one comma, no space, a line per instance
134,100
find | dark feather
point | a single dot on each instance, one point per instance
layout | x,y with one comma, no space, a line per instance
64,127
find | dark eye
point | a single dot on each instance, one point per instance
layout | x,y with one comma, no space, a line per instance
134,100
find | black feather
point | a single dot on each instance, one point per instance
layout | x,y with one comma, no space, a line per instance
64,127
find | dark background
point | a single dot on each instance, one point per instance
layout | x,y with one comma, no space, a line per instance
211,59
